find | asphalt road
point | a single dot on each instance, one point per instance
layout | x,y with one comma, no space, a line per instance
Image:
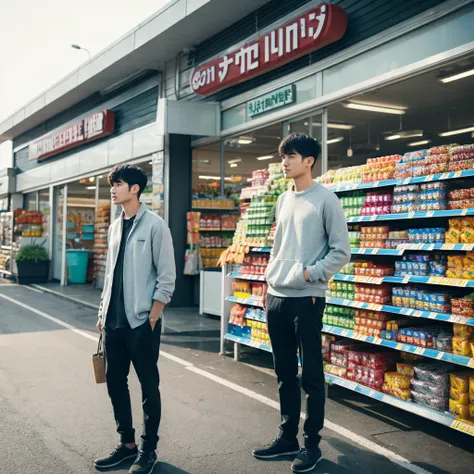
54,419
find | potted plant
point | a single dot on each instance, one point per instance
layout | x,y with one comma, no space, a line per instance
32,264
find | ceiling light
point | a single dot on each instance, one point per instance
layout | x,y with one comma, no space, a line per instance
335,140
375,108
263,158
336,126
237,160
90,187
234,165
101,177
202,161
151,162
456,132
421,142
210,177
245,140
92,179
458,76
405,134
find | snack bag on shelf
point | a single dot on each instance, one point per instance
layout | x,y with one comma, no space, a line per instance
460,381
458,396
461,346
458,409
397,380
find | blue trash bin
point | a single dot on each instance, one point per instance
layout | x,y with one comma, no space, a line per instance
77,261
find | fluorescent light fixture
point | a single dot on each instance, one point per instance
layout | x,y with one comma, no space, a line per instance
245,140
458,76
151,162
237,160
202,161
210,177
92,179
421,142
405,134
335,126
263,158
90,187
234,165
100,177
456,132
335,140
375,108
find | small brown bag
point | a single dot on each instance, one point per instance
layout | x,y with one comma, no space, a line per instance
98,362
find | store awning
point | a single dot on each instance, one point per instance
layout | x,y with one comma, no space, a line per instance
180,24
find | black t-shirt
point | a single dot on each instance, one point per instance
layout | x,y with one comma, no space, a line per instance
116,316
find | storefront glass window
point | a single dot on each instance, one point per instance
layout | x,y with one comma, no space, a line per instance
206,172
30,201
44,208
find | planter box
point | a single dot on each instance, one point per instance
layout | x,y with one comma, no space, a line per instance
32,272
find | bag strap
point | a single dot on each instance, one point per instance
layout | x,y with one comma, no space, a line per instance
100,346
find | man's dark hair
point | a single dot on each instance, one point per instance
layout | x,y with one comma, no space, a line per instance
129,174
302,144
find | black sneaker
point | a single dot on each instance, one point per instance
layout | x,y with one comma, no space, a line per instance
306,460
144,463
279,447
117,456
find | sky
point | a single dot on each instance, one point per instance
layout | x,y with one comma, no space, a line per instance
36,38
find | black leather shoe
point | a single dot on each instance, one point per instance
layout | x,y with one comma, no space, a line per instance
144,463
306,460
278,448
120,454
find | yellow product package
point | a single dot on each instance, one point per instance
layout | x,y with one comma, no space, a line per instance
471,411
455,224
460,397
397,380
461,330
454,272
452,236
468,273
461,346
455,261
468,260
471,388
458,409
460,381
467,236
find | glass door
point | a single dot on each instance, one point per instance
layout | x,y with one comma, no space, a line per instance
59,234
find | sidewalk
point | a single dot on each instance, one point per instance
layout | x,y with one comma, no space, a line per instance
88,295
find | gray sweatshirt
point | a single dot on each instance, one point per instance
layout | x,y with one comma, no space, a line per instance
311,233
149,270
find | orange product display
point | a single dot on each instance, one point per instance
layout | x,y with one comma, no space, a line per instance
378,294
374,237
370,269
381,168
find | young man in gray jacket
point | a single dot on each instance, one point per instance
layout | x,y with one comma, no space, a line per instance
311,245
139,283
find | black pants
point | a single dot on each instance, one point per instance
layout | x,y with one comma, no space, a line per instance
297,323
140,346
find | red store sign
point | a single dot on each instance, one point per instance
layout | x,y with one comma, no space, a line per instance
317,28
97,125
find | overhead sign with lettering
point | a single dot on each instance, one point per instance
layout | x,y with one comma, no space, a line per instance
317,28
93,127
275,100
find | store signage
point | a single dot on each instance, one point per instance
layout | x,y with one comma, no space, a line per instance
275,100
317,28
93,127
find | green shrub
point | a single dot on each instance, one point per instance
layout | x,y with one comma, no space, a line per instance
36,253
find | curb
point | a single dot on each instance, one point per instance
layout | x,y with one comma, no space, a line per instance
62,295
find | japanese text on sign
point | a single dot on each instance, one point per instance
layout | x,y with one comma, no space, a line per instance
317,28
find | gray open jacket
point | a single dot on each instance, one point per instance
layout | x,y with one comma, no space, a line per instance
149,270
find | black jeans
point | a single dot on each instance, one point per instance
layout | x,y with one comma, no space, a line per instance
140,346
297,323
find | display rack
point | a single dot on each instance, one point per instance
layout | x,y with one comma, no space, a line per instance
6,243
241,338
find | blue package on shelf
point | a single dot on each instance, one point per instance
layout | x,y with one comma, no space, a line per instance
70,225
240,331
88,228
87,236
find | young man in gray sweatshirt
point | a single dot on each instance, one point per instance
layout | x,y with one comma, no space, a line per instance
139,282
311,245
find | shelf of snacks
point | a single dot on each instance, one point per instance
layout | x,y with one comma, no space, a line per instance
214,205
99,251
446,162
414,308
